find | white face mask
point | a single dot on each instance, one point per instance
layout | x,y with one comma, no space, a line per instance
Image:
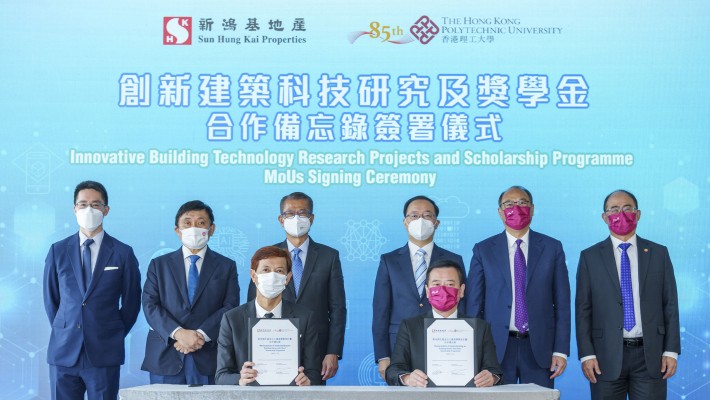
194,238
270,284
297,226
421,229
89,218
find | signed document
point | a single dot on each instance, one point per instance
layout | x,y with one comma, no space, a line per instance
450,351
274,349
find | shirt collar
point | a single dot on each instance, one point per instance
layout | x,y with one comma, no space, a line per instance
512,239
454,315
413,248
616,241
97,239
277,311
186,252
303,246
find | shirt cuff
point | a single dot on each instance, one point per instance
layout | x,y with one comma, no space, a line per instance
583,359
670,354
172,335
560,355
401,381
204,335
383,358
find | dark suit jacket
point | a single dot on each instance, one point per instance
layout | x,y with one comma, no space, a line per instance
489,294
166,306
92,319
323,292
396,296
234,342
600,314
410,352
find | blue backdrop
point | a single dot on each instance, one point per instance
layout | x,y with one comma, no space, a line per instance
238,105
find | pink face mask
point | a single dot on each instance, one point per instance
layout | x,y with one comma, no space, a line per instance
517,217
622,223
443,298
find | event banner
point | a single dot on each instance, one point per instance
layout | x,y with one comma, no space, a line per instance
361,105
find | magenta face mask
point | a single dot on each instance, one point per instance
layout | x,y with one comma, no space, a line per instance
622,223
443,298
517,217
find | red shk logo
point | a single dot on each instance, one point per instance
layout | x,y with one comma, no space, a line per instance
424,29
177,31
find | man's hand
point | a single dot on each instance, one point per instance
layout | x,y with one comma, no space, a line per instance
668,366
416,379
247,374
330,366
484,379
558,366
591,370
188,340
302,379
382,367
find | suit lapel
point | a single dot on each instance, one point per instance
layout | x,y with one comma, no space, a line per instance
606,248
535,249
310,264
74,251
206,272
286,309
105,252
176,266
290,292
644,258
502,257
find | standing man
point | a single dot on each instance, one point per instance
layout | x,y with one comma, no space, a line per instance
185,295
628,331
518,282
92,297
399,285
317,282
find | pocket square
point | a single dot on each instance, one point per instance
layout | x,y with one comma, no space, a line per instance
110,268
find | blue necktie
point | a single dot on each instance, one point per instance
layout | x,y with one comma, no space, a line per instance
521,305
297,269
420,273
627,292
86,262
192,277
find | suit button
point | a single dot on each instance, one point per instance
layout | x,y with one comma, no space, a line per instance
421,305
78,326
83,304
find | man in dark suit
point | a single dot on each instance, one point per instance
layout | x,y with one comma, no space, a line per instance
185,295
92,297
317,282
444,289
271,273
518,282
399,284
628,331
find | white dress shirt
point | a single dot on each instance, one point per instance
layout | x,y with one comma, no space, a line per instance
94,247
277,311
186,253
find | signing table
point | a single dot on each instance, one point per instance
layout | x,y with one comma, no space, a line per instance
182,392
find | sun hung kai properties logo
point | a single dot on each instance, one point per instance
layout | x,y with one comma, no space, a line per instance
177,31
422,30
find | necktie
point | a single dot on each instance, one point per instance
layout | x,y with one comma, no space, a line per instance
86,262
521,306
297,268
627,294
420,273
269,315
192,277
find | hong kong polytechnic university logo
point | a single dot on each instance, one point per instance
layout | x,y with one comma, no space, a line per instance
423,30
177,31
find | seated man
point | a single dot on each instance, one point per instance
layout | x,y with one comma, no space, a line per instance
270,272
444,290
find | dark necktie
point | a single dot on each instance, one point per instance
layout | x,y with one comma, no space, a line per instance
86,262
627,292
192,277
521,306
269,315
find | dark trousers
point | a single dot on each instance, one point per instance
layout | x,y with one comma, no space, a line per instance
633,380
70,383
188,375
519,365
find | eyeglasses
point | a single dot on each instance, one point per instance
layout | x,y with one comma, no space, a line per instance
95,205
291,214
508,204
617,209
428,216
